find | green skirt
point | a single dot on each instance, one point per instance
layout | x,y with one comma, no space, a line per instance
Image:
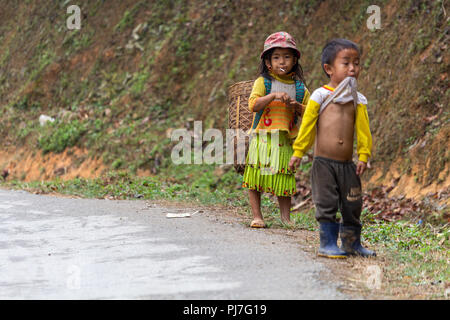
267,165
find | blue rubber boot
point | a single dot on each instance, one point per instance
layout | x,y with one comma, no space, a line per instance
351,242
328,241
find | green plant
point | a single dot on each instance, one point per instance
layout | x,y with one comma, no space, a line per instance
57,136
128,17
117,164
5,56
43,61
25,105
139,82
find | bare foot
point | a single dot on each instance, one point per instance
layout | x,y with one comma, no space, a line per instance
287,222
257,223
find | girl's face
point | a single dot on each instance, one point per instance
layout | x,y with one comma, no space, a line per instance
346,64
282,61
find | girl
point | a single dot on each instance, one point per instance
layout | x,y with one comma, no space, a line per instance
276,102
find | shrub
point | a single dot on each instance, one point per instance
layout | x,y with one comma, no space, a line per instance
57,136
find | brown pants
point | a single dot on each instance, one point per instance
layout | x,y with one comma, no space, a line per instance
335,185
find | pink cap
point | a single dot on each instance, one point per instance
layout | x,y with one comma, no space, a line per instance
280,40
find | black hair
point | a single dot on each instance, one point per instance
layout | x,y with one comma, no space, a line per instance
333,47
297,68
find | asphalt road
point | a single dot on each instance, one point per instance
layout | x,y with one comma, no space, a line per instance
63,248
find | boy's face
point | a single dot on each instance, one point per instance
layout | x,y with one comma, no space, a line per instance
282,61
346,64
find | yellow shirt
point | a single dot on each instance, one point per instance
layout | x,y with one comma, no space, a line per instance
276,115
307,135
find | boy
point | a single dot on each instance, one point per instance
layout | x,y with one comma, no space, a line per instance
335,179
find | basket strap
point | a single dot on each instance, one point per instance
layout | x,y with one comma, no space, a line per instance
299,90
268,85
257,118
299,94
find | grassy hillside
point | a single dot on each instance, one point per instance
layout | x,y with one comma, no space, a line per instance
138,69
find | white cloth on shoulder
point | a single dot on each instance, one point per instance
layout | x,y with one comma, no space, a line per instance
345,92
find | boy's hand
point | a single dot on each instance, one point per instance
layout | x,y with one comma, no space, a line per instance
283,97
360,168
294,163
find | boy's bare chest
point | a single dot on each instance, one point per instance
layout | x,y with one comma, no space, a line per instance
335,131
339,115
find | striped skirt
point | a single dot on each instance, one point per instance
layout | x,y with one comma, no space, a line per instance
267,164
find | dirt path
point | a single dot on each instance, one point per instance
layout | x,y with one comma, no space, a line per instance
64,248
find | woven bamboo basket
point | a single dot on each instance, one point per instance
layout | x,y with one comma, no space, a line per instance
239,117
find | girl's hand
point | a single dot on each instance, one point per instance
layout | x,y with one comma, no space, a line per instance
294,163
298,107
283,97
360,168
